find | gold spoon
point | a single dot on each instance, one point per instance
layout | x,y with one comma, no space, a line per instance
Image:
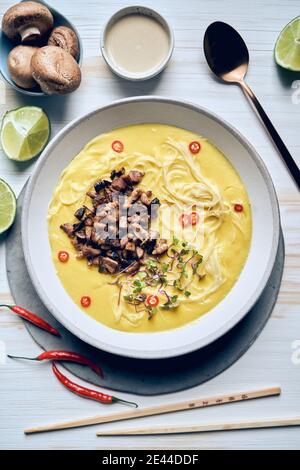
228,58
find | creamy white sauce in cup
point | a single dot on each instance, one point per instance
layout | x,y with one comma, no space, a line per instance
137,43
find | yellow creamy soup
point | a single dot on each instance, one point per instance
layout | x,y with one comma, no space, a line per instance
204,215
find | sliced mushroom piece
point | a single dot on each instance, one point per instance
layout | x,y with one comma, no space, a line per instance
117,173
130,246
145,198
119,184
96,261
55,70
115,244
134,196
91,194
101,185
88,232
66,39
136,193
80,213
68,229
136,176
30,20
78,226
90,251
89,222
77,245
98,200
81,236
19,66
161,247
123,241
110,265
133,267
139,252
149,246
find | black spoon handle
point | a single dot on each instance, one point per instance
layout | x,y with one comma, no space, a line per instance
285,154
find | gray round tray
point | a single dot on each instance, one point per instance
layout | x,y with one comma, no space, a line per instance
144,377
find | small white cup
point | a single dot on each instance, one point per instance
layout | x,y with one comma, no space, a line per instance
142,11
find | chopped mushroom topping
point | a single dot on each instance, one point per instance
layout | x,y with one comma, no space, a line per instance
111,235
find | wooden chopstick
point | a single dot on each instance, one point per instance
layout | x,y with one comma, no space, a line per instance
156,410
267,423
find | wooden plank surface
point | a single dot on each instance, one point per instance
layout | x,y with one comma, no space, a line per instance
29,395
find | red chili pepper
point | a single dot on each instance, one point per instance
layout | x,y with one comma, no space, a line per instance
152,300
85,301
195,147
184,219
87,392
60,355
238,207
32,318
63,256
117,146
194,218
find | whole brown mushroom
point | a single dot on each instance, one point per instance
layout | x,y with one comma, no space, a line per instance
30,20
19,66
66,38
55,70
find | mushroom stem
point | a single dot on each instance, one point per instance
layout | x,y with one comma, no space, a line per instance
29,33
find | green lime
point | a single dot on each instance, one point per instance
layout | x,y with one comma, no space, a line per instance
8,206
287,48
24,133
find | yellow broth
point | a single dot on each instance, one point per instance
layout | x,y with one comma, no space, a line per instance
169,174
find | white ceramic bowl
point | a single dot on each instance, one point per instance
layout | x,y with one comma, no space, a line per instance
253,278
137,10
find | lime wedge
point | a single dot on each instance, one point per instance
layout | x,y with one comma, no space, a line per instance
24,133
287,48
8,206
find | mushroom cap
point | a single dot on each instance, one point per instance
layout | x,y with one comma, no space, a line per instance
55,70
66,38
30,20
19,66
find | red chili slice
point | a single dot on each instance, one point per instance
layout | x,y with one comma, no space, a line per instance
152,300
117,146
63,256
184,219
85,301
238,207
195,147
194,218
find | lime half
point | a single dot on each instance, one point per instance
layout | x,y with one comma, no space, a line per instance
287,48
8,206
24,133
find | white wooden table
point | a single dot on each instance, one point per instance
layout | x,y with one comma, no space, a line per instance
29,394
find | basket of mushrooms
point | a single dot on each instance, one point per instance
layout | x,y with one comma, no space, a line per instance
43,50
